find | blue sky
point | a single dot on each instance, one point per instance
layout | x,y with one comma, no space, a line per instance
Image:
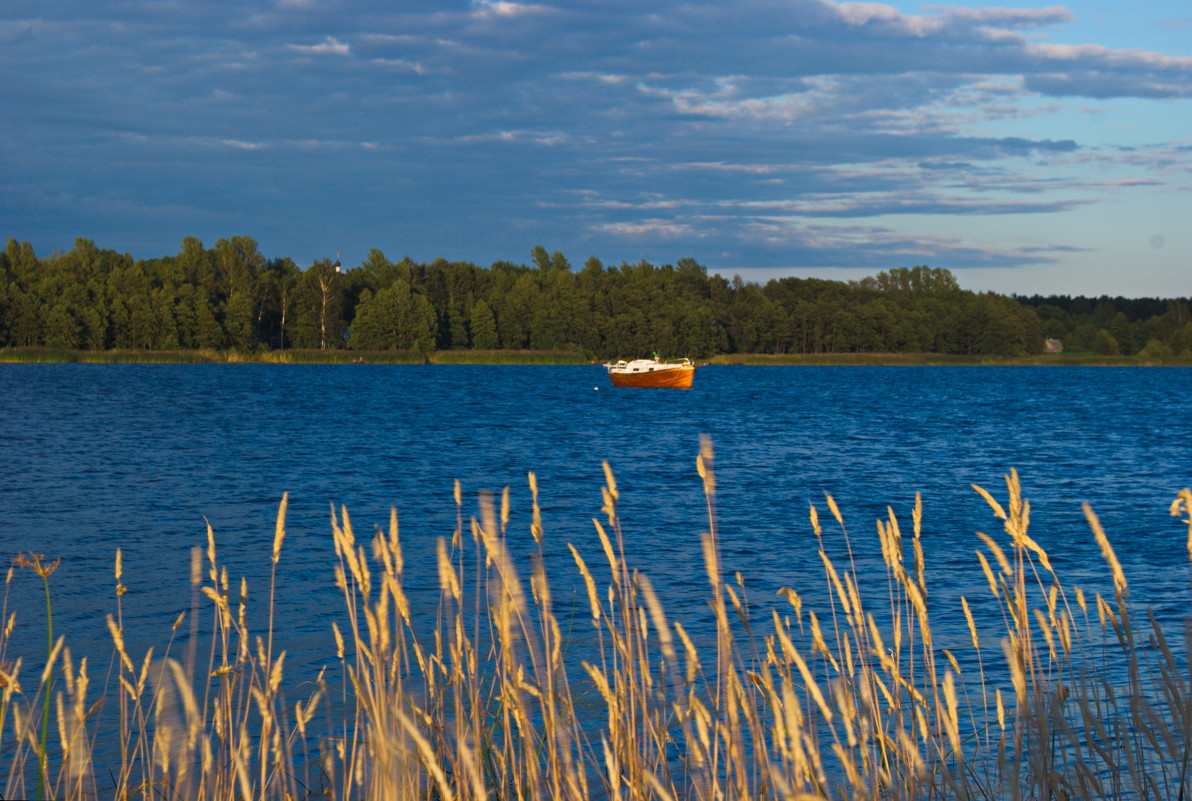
1026,147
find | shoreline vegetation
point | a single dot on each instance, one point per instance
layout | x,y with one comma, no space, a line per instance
231,298
563,357
836,692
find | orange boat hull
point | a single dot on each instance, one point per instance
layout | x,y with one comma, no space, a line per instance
672,378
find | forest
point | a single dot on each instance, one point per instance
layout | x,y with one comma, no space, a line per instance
232,297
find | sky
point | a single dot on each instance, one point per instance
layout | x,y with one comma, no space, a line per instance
1028,148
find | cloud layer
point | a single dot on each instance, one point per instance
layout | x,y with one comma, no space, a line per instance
755,134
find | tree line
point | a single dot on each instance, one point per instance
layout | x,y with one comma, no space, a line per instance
232,297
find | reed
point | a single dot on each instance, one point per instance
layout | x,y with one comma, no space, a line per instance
509,357
291,356
315,356
835,691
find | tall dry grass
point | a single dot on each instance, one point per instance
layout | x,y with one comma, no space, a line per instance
1062,694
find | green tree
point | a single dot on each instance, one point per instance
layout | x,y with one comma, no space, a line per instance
62,330
457,329
921,280
208,333
1104,344
484,327
1084,336
238,322
277,297
541,258
1181,340
1156,350
1122,331
515,312
1006,328
744,317
238,261
323,306
165,335
23,318
395,318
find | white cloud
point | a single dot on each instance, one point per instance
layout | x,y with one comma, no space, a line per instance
402,64
330,45
644,229
1108,57
545,138
239,144
506,9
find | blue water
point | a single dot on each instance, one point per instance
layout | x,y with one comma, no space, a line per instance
140,457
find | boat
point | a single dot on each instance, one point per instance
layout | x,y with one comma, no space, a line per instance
652,373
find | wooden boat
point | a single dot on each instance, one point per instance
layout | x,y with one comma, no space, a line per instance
651,373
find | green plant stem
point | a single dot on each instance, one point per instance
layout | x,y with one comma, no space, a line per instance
45,690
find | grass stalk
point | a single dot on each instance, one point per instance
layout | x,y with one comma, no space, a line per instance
511,690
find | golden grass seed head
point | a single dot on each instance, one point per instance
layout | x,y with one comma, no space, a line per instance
339,641
693,664
1183,503
972,626
952,661
1036,549
589,582
276,673
36,562
448,581
1119,577
536,511
952,715
998,511
920,566
54,653
997,552
210,549
504,510
794,599
8,679
196,566
610,481
703,464
279,530
988,571
395,542
118,639
658,615
711,559
1045,629
834,509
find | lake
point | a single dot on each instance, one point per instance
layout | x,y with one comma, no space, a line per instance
142,457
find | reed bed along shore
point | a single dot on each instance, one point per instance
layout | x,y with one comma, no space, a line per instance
563,357
291,356
1063,693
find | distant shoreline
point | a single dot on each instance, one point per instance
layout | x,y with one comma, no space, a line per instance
50,355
